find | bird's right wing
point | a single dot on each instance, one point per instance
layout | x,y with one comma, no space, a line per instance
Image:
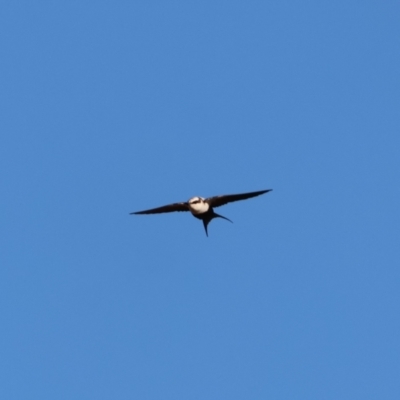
165,209
218,201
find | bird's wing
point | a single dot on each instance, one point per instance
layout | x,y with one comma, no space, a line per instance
228,198
165,209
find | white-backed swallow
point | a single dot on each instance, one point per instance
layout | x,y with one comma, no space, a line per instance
202,208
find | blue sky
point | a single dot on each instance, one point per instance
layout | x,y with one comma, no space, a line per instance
114,107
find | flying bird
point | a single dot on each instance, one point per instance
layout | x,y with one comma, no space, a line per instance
202,208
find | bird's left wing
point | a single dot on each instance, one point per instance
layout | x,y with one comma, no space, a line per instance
217,201
165,209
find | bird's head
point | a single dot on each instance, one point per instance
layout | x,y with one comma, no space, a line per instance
198,205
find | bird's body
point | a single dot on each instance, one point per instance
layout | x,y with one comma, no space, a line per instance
198,205
202,208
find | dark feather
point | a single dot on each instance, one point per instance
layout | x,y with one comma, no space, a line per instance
229,198
165,209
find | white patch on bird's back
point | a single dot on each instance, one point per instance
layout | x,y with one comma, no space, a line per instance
197,205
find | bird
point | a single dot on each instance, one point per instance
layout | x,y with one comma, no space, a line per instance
203,208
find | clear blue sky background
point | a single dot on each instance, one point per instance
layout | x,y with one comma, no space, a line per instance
109,107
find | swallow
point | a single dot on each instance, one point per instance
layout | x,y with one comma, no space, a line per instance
202,208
